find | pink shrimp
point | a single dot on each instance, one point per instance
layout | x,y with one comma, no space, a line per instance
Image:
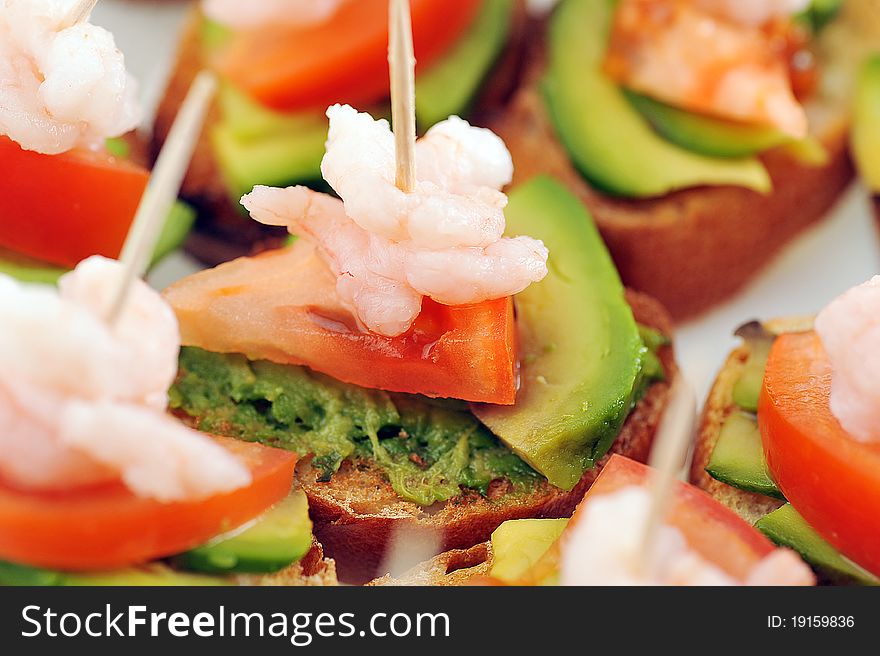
708,56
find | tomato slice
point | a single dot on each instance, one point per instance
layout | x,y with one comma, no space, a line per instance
344,60
714,531
63,208
282,306
829,477
107,527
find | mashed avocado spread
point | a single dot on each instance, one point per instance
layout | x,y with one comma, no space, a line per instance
427,448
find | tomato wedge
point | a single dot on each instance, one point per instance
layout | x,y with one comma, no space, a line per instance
829,477
344,60
714,531
107,527
282,306
63,208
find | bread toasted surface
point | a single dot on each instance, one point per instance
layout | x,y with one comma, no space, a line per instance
357,513
221,233
692,248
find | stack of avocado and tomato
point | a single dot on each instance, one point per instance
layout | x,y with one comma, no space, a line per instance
265,549
58,210
269,125
375,462
737,459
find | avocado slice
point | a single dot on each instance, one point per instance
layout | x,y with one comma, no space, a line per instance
747,389
520,543
274,160
787,528
717,137
449,86
582,356
612,145
154,574
278,538
738,457
866,123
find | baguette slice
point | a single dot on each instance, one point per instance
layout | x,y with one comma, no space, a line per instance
221,234
357,513
718,408
692,248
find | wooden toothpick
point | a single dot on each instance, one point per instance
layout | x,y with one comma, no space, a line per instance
670,450
164,186
80,12
402,62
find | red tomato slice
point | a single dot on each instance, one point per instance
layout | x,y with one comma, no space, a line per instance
832,480
715,532
344,60
282,306
63,208
107,527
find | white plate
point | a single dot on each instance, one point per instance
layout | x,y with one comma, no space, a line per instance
840,253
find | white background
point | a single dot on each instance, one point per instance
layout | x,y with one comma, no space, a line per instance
840,253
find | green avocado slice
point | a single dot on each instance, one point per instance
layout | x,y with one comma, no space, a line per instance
787,528
449,86
518,544
717,137
582,355
738,457
612,145
866,123
273,541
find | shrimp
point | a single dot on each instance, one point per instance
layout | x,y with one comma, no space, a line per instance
708,57
61,86
260,13
83,402
849,328
603,548
457,200
389,249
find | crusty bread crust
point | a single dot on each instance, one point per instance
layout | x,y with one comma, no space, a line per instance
719,406
357,512
221,234
693,248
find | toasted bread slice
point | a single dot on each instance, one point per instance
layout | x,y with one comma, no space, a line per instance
312,570
692,248
357,513
221,234
719,406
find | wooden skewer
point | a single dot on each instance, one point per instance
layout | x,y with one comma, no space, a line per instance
402,63
80,12
164,186
671,445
